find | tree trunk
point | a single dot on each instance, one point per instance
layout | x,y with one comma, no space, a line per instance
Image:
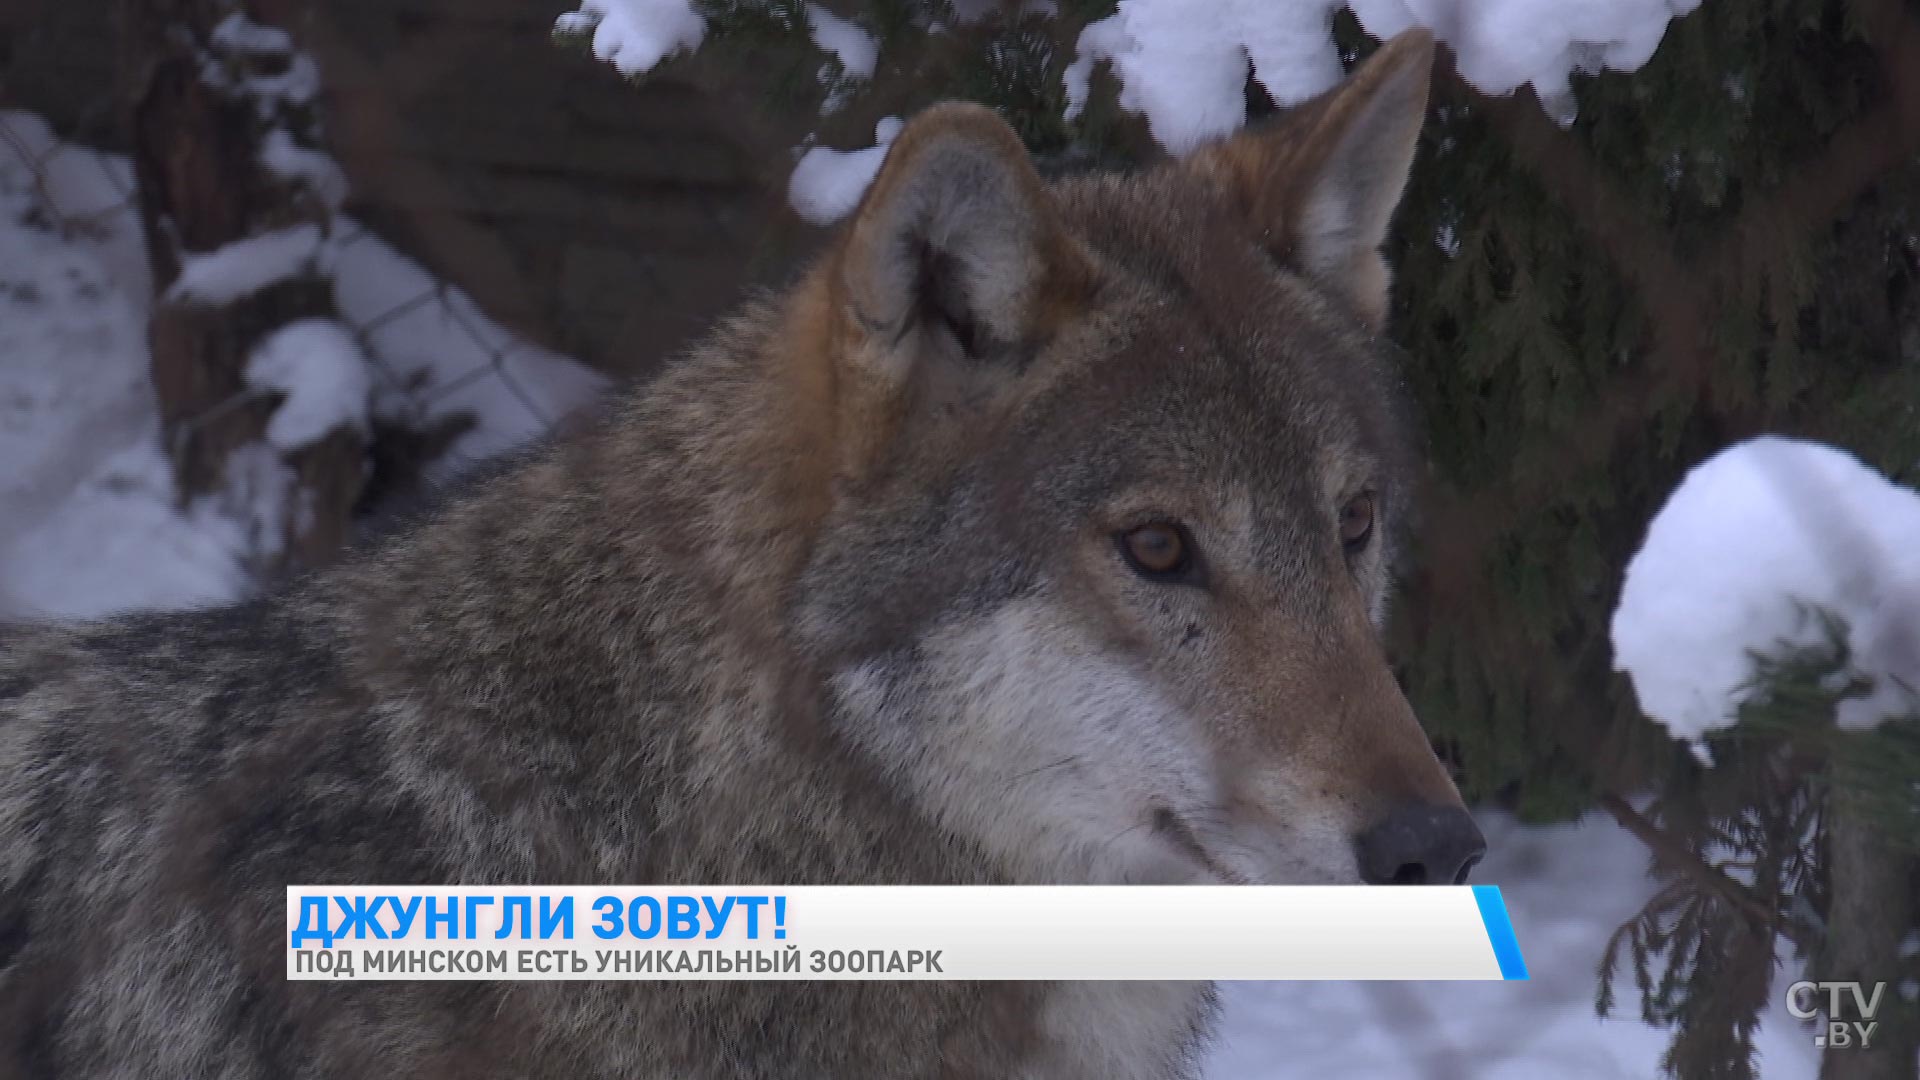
196,153
1870,913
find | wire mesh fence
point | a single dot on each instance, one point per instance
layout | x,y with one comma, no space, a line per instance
445,386
455,312
39,158
430,348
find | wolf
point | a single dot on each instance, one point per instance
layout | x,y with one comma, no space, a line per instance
1040,533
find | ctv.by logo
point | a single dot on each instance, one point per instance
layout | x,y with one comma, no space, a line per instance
1802,1002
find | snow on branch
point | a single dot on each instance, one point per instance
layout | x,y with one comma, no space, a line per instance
853,47
1183,64
635,35
1750,555
1504,45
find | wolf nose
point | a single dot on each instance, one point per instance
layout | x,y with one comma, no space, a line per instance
1421,844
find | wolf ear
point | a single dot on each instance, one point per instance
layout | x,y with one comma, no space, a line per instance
1319,185
955,245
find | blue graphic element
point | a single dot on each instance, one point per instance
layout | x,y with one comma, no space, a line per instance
1506,947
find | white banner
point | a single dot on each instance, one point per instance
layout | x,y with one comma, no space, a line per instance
901,932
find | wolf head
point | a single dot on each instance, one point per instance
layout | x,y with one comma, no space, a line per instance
1117,467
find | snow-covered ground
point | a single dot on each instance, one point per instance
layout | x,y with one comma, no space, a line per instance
1567,888
87,516
88,525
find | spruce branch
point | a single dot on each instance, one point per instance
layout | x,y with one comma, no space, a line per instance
1678,856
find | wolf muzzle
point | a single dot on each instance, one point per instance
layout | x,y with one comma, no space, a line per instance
1421,844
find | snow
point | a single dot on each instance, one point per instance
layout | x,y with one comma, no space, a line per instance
1745,550
91,520
89,195
239,45
246,266
437,356
90,524
239,34
118,543
827,184
87,494
1183,63
635,35
1503,45
326,380
1567,888
288,160
855,48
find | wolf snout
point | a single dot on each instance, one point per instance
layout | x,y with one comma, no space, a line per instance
1420,844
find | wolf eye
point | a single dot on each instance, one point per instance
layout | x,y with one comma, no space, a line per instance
1356,523
1158,549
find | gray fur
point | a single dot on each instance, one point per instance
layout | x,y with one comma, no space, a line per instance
708,643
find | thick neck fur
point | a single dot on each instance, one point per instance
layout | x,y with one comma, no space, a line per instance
612,614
